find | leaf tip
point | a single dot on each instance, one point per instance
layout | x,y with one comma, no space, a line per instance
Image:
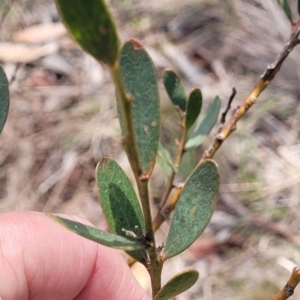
136,44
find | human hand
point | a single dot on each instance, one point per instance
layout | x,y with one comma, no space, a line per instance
41,260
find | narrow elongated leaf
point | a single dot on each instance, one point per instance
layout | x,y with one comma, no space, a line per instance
164,160
207,121
99,236
4,98
285,6
139,79
194,208
119,202
175,89
177,285
193,107
92,26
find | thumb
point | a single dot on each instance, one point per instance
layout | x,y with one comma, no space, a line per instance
39,259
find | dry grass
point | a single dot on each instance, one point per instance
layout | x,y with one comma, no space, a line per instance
63,120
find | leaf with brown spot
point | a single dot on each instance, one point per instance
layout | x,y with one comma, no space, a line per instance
139,80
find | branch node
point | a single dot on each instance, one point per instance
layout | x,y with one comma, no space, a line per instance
288,290
128,97
144,177
233,128
220,137
296,269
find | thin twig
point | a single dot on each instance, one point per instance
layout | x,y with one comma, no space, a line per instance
178,157
288,289
224,114
228,128
262,83
165,212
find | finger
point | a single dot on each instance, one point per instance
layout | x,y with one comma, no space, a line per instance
39,259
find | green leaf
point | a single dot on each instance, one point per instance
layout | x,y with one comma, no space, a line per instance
187,163
99,236
193,107
119,202
285,6
164,160
194,208
175,89
137,71
202,128
4,98
177,285
92,26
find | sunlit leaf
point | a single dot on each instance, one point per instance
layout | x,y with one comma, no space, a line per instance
194,208
4,98
92,26
119,202
199,132
175,89
177,285
139,79
99,236
193,107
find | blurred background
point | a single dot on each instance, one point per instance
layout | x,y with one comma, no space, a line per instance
63,119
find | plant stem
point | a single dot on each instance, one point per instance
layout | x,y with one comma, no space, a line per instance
155,264
169,185
228,128
129,143
290,286
261,84
124,101
165,212
180,149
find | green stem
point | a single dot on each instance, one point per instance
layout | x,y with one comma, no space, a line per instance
124,100
180,149
129,143
169,185
155,263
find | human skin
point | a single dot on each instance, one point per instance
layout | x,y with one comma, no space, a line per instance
41,260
